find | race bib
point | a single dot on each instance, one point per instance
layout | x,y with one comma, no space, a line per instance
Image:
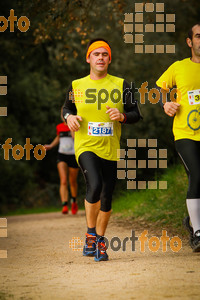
100,128
194,97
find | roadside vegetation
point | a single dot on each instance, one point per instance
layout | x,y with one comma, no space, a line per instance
162,207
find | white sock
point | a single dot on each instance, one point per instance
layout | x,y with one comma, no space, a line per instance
193,206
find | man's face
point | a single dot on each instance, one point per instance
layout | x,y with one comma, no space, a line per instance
194,44
99,60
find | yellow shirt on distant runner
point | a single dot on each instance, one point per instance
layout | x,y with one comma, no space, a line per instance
97,133
185,75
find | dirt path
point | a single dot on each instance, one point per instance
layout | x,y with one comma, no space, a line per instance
41,265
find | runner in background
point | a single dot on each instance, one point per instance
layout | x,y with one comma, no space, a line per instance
67,166
185,75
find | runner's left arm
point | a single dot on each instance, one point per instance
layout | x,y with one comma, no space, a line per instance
131,109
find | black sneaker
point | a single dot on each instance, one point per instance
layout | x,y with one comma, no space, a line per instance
194,237
196,242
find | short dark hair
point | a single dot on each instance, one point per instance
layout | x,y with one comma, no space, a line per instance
190,32
96,40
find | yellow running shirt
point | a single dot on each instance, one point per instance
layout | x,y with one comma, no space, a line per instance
97,132
185,75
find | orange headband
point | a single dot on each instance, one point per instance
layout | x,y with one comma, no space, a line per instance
96,45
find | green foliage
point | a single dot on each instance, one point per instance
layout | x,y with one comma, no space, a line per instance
163,207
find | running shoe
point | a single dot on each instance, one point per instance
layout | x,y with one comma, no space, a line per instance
101,254
89,248
194,237
196,242
65,209
74,208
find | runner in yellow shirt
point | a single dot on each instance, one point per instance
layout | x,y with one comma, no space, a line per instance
185,75
94,110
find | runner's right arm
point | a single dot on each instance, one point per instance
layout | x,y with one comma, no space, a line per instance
163,85
69,106
54,143
70,111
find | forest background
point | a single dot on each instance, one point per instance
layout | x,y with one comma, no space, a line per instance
40,65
